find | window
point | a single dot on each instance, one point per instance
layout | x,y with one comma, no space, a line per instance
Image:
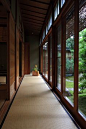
43,34
46,29
82,59
62,3
58,31
56,11
50,22
45,59
69,49
50,59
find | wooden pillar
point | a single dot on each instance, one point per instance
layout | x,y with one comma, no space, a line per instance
76,48
48,59
15,46
41,59
8,58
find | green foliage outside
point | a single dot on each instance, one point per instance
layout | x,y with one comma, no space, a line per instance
70,62
71,78
82,71
81,102
82,59
69,84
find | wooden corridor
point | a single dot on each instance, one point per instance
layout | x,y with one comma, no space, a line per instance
36,107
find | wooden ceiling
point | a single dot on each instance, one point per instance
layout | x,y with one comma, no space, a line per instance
33,14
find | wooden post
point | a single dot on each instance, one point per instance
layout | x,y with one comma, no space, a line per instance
76,48
48,59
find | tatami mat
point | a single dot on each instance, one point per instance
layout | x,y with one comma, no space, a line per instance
35,107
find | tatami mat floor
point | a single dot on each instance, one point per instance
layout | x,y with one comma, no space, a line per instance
35,107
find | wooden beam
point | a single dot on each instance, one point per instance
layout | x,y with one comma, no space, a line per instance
32,6
32,26
40,2
32,15
28,10
31,18
28,22
32,21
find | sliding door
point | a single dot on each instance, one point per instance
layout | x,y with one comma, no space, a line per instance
82,59
58,52
45,59
69,56
50,59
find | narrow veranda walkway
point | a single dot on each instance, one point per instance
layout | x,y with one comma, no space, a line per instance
35,107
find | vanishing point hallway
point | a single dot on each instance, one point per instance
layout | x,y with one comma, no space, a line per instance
35,107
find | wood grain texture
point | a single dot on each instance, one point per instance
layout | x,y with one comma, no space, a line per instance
12,53
22,59
17,58
3,39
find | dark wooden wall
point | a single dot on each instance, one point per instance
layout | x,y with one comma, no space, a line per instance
12,54
22,59
27,58
3,39
7,34
17,58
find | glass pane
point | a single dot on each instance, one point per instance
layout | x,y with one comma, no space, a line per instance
46,59
46,29
43,34
43,59
58,8
69,73
62,3
50,22
51,59
59,57
82,59
55,12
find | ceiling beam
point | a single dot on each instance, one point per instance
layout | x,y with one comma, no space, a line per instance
32,6
32,26
32,11
35,30
40,2
31,15
29,20
32,23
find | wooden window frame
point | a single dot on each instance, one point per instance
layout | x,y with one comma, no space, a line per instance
60,19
